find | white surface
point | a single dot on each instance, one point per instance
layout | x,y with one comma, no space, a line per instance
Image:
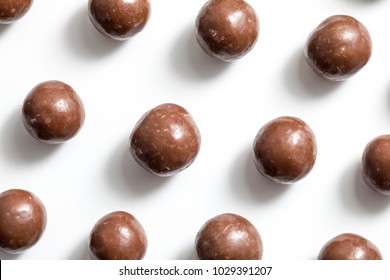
94,174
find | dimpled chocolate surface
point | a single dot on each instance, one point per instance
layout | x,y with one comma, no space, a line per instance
53,112
117,236
338,48
227,29
12,10
119,19
285,150
228,237
376,164
165,140
22,220
349,246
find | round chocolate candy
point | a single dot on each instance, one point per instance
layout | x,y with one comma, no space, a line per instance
22,220
338,48
119,19
117,236
53,112
228,237
376,164
349,246
165,140
227,29
285,150
13,10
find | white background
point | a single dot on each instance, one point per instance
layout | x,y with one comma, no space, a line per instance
93,174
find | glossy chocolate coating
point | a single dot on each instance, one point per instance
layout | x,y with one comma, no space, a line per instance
22,220
117,236
228,237
376,164
165,140
338,48
349,246
227,29
285,150
12,10
119,19
53,112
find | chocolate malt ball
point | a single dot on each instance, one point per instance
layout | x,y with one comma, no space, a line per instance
227,29
166,140
22,220
285,150
12,10
119,19
349,246
338,48
117,236
228,237
53,112
376,164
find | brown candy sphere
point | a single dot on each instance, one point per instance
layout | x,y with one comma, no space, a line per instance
119,19
12,10
338,48
376,164
349,246
22,220
165,140
228,237
285,150
117,236
53,112
227,29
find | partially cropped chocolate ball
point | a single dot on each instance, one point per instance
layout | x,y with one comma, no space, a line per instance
227,29
285,150
12,10
53,112
228,237
376,164
22,220
165,140
118,236
338,48
119,19
349,246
